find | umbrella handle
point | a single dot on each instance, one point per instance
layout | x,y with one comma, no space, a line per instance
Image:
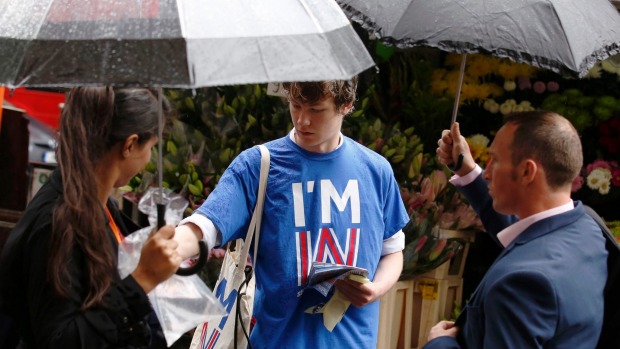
459,163
202,260
202,247
161,214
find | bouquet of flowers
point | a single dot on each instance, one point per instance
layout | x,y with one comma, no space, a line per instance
433,205
598,186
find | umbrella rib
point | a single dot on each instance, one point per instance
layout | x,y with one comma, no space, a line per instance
317,25
191,72
262,60
311,15
36,35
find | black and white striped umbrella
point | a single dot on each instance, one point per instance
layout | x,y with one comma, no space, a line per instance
175,43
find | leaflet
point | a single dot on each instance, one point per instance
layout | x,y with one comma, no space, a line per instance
322,276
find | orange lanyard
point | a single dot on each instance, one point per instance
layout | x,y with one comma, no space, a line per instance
114,227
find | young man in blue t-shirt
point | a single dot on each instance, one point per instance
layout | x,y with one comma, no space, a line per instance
329,199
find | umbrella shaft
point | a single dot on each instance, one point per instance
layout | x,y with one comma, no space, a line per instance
160,166
457,98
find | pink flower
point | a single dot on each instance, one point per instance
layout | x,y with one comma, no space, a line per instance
416,201
553,86
421,243
539,87
524,83
577,183
597,164
615,177
439,181
217,253
427,191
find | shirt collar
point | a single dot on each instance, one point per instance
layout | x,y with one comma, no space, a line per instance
509,234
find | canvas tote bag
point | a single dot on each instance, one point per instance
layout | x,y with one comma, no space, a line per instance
235,285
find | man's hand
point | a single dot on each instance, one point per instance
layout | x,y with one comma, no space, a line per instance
387,274
443,328
451,144
187,237
358,293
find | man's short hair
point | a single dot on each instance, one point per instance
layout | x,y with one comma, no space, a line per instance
550,139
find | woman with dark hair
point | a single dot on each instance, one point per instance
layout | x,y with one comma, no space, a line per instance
58,272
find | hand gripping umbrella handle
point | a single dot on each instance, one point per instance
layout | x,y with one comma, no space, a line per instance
202,247
202,260
459,163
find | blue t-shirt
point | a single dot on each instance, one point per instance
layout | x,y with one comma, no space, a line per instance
336,207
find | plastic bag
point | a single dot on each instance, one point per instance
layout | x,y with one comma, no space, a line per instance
182,302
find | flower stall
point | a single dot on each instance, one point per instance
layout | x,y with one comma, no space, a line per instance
402,108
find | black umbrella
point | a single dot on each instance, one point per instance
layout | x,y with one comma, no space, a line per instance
565,36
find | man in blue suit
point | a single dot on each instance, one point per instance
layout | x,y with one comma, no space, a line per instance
545,290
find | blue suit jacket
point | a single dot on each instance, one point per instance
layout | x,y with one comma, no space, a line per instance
545,290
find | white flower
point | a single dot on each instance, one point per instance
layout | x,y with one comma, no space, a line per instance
510,85
494,107
595,72
610,66
604,188
511,102
505,108
478,141
599,179
487,104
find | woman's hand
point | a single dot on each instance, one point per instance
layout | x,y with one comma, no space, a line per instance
159,259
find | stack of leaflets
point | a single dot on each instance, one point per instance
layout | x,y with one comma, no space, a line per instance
323,275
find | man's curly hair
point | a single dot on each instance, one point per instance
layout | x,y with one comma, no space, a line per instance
343,91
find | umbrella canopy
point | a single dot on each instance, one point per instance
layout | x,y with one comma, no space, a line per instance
171,43
175,43
566,36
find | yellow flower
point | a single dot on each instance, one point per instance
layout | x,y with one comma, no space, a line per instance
611,65
595,72
477,68
478,145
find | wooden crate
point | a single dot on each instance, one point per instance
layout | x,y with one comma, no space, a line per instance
433,300
395,314
412,307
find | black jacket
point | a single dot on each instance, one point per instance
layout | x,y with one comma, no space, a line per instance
46,320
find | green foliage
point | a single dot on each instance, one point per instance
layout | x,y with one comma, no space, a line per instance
212,126
582,110
400,94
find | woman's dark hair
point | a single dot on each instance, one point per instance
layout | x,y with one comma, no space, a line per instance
93,121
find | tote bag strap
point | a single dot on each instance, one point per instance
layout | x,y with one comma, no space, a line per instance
255,223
